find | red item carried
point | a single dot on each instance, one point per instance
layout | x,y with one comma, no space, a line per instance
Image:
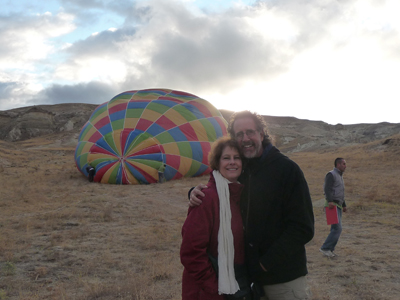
331,215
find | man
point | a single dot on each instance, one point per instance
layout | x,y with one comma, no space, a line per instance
276,210
161,170
334,195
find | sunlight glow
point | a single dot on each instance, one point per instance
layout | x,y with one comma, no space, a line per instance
97,69
269,24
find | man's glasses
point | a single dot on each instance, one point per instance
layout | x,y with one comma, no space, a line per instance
240,135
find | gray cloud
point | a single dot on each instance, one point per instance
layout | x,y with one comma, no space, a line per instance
87,4
13,94
6,89
209,52
221,59
104,43
92,92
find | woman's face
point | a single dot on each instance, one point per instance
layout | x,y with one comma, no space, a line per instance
230,164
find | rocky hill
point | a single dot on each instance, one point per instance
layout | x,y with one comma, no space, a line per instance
27,122
290,134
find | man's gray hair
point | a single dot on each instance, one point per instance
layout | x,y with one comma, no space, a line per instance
261,126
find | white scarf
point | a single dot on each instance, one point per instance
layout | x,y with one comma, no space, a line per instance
227,283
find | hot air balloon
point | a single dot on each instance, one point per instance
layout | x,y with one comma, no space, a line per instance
142,135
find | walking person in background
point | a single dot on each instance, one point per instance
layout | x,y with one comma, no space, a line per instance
334,195
276,209
212,247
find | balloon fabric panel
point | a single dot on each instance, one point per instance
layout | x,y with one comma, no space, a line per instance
104,126
157,107
117,120
185,150
165,138
177,134
99,113
216,126
101,117
197,151
109,140
184,112
150,115
117,106
142,141
211,133
155,129
95,137
85,129
189,132
175,117
200,131
165,123
185,165
195,112
131,140
131,123
143,124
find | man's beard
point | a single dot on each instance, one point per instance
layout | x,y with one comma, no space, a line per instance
253,154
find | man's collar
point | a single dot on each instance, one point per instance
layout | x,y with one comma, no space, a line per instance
341,173
266,151
256,160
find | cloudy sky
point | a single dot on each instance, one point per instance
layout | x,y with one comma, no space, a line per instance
337,61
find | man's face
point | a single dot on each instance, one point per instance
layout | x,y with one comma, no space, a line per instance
249,139
341,166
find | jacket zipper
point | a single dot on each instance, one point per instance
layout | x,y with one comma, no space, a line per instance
248,204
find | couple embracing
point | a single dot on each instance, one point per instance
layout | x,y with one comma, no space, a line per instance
245,232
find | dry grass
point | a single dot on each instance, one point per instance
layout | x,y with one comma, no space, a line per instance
62,237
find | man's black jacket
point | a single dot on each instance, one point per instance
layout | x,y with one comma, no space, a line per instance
278,217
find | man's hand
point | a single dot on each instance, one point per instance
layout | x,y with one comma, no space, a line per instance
195,193
262,267
331,205
256,269
344,209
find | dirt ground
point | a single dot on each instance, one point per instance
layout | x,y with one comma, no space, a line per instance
62,237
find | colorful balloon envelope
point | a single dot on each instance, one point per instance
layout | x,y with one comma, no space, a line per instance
147,136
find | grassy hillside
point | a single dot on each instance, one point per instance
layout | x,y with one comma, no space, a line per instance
62,237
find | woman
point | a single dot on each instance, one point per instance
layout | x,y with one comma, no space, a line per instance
215,229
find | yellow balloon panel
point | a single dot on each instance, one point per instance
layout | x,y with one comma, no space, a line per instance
108,173
117,140
185,165
171,148
175,117
116,102
92,157
149,170
151,115
131,123
130,177
200,131
143,145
